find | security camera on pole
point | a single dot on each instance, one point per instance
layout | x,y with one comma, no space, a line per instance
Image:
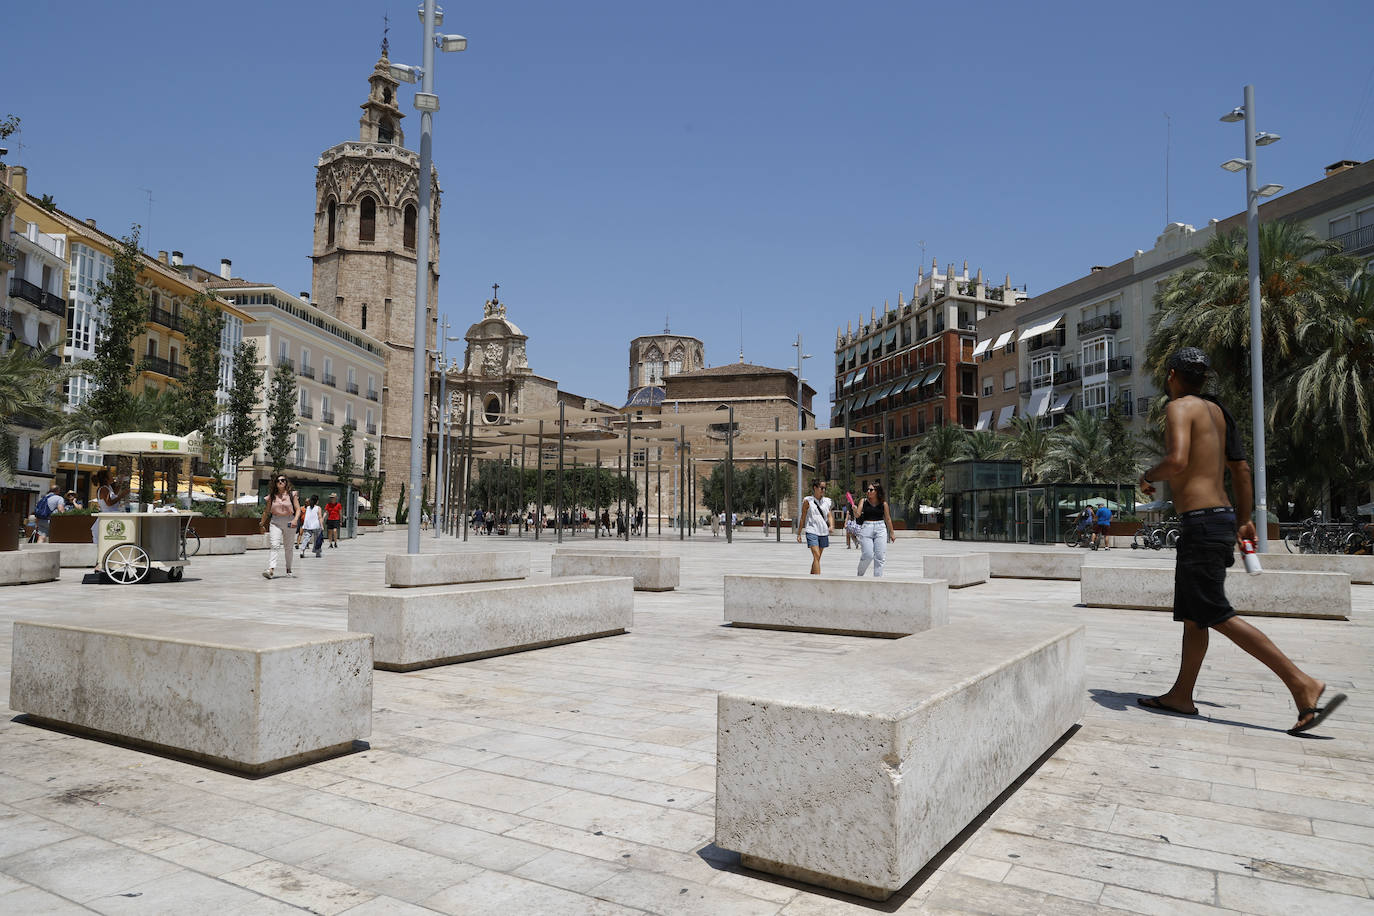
426,102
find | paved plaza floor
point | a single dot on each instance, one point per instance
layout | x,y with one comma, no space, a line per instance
580,778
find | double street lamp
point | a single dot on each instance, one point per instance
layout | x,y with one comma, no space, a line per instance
426,102
1253,193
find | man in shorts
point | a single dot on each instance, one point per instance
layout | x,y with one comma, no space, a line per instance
1102,526
1201,443
333,518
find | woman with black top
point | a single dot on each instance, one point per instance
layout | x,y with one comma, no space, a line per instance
875,529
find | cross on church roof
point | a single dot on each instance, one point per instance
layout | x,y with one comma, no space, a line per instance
386,27
494,288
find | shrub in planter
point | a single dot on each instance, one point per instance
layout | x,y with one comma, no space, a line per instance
10,524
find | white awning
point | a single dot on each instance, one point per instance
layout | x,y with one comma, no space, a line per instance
890,337
859,376
1002,339
1004,417
934,375
984,420
1043,327
1039,402
982,345
1062,403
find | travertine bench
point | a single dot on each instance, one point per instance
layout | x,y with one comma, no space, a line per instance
411,570
253,697
74,556
853,773
1324,595
850,606
1359,568
1034,564
652,571
960,570
228,545
34,564
420,628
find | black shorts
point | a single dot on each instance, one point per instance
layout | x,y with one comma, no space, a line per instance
332,524
1206,548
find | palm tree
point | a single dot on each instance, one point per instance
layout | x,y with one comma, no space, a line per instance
1079,451
28,389
982,445
146,411
1028,442
921,477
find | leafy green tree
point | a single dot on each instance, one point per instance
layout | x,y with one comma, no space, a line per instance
281,418
370,474
196,407
982,445
28,388
241,432
1028,442
1079,451
111,371
921,478
343,460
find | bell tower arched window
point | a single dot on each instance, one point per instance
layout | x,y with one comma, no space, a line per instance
331,217
367,220
408,234
386,131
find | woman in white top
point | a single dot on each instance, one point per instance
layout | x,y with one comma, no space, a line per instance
815,523
278,518
109,496
312,525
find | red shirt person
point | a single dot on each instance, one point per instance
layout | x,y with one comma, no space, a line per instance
333,518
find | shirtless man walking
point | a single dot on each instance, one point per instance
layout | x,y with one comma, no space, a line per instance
1202,442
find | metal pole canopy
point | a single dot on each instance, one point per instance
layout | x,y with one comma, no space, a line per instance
629,471
596,498
777,477
523,501
1256,331
467,473
421,357
442,418
729,476
539,510
682,484
801,418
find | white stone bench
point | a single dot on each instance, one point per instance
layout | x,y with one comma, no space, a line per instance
256,542
652,571
1034,564
38,563
228,545
411,570
1359,568
853,773
960,570
420,628
849,606
249,696
1323,595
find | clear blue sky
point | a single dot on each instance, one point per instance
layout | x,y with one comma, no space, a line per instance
610,162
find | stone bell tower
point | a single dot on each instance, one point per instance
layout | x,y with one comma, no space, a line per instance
366,209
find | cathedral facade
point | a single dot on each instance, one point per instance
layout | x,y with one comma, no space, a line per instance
364,255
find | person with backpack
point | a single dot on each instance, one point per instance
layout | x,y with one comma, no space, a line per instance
312,526
49,504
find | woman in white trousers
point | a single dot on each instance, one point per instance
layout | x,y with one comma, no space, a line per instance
278,520
875,530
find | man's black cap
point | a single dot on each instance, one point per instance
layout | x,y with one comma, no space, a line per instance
1189,361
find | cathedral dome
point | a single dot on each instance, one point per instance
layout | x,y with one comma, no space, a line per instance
648,396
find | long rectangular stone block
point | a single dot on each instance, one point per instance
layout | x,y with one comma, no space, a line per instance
41,563
1359,568
421,569
652,572
420,628
224,546
853,773
1322,595
1035,564
960,570
850,606
253,697
74,556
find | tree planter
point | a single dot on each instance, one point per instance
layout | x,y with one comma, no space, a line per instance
212,527
70,529
238,526
368,522
9,530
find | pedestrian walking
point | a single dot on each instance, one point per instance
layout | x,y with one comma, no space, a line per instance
875,530
1103,526
48,505
278,520
715,524
333,518
312,526
814,519
1200,440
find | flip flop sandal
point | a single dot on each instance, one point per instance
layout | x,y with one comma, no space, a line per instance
1318,713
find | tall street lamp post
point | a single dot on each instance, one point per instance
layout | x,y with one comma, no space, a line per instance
1253,193
801,355
426,102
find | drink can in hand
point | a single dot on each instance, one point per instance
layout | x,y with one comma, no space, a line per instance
1252,560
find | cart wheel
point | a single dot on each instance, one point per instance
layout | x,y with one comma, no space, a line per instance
126,564
175,573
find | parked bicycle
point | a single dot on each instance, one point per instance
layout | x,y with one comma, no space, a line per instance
1156,535
190,542
1314,535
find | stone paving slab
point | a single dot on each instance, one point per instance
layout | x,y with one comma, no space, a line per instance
580,778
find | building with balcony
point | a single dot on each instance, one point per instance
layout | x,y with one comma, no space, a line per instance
1082,345
912,368
338,371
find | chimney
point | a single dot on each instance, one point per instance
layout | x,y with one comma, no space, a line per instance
305,296
162,257
176,258
226,269
1339,166
90,222
19,179
1095,268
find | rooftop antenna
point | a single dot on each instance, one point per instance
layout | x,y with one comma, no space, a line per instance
148,226
741,335
1168,146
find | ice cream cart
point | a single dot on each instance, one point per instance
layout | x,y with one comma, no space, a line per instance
128,544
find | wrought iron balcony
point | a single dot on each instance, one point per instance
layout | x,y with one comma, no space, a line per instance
1110,322
166,319
351,387
1119,364
287,361
31,292
307,412
351,424
1066,375
306,371
372,395
1047,340
163,367
372,429
327,417
9,255
1142,405
329,380
1356,241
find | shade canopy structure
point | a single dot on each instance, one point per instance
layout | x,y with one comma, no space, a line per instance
981,346
147,444
568,413
246,499
1004,416
1043,327
1002,340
